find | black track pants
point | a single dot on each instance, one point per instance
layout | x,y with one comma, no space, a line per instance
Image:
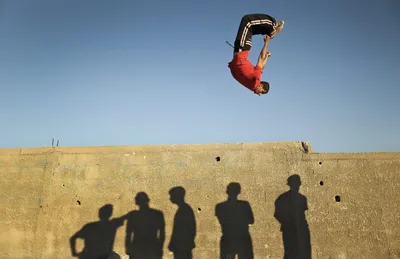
253,24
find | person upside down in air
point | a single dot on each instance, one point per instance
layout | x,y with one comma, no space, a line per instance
241,68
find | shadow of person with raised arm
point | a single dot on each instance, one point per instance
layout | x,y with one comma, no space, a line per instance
235,216
98,236
184,230
145,230
290,210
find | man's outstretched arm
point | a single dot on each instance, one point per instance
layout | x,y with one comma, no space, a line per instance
72,242
264,54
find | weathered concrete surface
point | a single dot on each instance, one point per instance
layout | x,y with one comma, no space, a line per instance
47,194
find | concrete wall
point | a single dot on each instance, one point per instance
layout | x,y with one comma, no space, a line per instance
48,194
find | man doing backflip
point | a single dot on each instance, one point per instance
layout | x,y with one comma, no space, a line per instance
241,68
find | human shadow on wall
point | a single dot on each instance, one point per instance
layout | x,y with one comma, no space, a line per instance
184,229
145,230
234,216
290,210
98,236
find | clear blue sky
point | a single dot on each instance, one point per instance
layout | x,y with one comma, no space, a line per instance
96,72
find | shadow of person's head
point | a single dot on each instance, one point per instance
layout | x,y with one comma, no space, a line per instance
142,199
294,182
177,195
105,212
233,190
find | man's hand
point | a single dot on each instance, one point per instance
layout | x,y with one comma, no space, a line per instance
259,90
76,254
264,54
262,58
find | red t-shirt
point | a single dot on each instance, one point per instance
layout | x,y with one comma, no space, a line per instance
244,72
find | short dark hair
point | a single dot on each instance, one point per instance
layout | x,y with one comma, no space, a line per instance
142,197
178,190
265,86
233,188
105,212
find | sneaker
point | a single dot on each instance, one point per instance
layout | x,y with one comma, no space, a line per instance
277,28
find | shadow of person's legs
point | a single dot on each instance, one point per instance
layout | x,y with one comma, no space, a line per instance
98,236
145,230
290,210
235,216
184,229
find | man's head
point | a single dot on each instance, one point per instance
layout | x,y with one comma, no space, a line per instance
294,182
263,88
233,189
105,212
142,199
177,195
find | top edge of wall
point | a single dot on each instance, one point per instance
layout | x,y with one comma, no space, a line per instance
294,146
